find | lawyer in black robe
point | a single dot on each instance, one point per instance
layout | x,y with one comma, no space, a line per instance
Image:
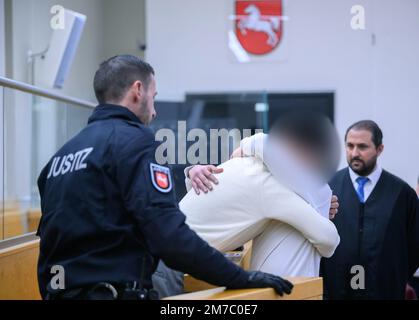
382,235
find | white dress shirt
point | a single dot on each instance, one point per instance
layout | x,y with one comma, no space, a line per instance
369,186
249,203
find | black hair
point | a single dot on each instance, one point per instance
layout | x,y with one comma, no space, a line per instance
371,126
117,74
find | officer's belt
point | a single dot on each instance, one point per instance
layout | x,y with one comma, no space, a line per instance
105,291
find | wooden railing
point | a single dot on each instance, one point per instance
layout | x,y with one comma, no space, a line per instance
18,279
192,284
304,289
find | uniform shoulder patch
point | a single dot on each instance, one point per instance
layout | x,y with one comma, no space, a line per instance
160,177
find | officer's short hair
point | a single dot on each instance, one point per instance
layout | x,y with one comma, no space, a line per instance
371,126
314,133
117,74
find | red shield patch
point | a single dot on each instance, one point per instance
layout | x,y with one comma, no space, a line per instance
160,177
258,25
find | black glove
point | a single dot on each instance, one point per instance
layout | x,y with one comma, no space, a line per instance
258,279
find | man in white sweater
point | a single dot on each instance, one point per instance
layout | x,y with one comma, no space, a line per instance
250,203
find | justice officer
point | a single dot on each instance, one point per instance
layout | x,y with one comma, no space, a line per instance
109,211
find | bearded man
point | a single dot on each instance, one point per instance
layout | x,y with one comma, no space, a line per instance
377,223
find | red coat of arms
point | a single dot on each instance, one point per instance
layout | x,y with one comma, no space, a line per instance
258,25
160,177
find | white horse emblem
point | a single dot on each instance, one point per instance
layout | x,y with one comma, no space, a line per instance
256,22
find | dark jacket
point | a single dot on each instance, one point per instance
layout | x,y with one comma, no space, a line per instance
106,216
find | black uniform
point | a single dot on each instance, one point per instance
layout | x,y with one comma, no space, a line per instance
109,211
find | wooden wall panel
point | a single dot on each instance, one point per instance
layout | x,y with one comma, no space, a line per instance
18,272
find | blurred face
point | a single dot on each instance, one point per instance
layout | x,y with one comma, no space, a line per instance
302,153
361,152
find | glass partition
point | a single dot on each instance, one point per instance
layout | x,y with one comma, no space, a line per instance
34,128
1,165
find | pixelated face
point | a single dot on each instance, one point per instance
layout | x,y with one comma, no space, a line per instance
303,153
361,152
306,156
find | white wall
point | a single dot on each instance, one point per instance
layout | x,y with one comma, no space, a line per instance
187,45
124,27
396,85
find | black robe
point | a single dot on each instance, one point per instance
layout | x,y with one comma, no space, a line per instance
381,235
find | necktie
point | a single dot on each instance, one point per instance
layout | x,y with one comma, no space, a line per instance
360,190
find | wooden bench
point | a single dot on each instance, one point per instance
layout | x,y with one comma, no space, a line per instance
34,216
11,223
16,222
